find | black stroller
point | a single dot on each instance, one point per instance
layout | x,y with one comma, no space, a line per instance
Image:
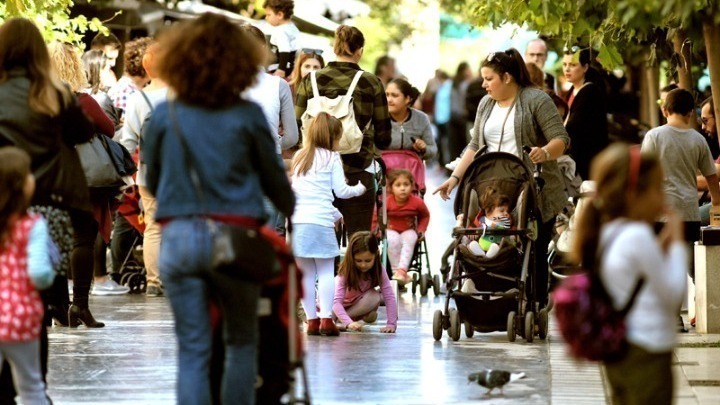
503,295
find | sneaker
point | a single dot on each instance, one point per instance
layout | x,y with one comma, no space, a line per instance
109,287
153,291
452,165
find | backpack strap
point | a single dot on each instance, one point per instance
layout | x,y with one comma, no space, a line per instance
147,100
631,301
313,82
354,83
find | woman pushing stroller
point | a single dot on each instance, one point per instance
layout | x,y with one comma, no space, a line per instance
513,116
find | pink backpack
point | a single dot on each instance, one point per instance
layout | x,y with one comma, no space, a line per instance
593,329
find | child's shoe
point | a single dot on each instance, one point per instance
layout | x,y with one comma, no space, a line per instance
402,276
474,248
328,328
313,327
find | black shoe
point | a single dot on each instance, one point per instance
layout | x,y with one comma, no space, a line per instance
77,315
59,314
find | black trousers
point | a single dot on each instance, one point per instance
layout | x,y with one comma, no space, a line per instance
85,232
358,211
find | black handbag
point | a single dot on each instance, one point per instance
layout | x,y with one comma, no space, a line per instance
241,252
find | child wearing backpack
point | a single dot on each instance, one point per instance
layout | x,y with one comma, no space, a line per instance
317,174
25,268
617,229
360,272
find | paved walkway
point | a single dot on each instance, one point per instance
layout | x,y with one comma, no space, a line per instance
132,360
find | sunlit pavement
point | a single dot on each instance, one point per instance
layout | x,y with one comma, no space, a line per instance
132,360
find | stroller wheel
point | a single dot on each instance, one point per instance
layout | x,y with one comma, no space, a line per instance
511,326
423,285
414,282
437,325
543,323
469,330
436,285
529,326
454,330
125,278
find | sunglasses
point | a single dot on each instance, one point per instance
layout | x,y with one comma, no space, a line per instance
572,49
310,51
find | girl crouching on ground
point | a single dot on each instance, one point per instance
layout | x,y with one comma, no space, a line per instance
317,174
355,295
619,222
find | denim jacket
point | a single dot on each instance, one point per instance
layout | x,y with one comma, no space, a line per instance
232,151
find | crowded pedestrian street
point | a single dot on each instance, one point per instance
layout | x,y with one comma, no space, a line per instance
251,202
132,360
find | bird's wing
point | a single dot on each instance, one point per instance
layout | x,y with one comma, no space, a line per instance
498,378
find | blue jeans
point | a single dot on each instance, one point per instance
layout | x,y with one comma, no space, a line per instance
190,284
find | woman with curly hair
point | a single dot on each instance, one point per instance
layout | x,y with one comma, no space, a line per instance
208,63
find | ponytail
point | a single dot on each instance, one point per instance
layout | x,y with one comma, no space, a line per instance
510,62
348,40
407,89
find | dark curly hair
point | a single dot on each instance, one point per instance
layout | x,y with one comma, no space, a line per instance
208,61
133,55
281,6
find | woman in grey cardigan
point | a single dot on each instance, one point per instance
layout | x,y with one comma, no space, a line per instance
410,127
513,116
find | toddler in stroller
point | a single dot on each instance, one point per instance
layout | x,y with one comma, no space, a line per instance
494,292
495,215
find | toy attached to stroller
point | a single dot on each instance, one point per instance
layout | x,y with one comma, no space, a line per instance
411,161
494,292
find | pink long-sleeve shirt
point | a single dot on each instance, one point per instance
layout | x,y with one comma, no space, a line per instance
345,297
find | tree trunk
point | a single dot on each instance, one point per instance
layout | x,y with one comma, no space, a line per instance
651,93
684,75
711,31
684,68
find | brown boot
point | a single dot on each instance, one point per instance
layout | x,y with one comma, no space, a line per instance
313,327
328,328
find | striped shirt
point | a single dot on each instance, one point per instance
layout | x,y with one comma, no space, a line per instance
369,103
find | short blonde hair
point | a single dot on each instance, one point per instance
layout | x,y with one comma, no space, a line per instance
68,66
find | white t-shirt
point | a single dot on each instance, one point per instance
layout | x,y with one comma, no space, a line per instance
284,37
634,252
493,130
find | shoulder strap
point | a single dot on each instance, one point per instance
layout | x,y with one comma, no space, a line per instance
354,83
313,81
194,176
638,284
147,100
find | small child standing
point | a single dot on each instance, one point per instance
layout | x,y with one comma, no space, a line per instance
317,174
408,219
284,37
25,268
355,296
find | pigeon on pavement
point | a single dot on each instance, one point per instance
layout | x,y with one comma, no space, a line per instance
492,379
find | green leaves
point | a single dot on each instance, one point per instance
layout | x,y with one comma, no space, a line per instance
609,57
52,18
